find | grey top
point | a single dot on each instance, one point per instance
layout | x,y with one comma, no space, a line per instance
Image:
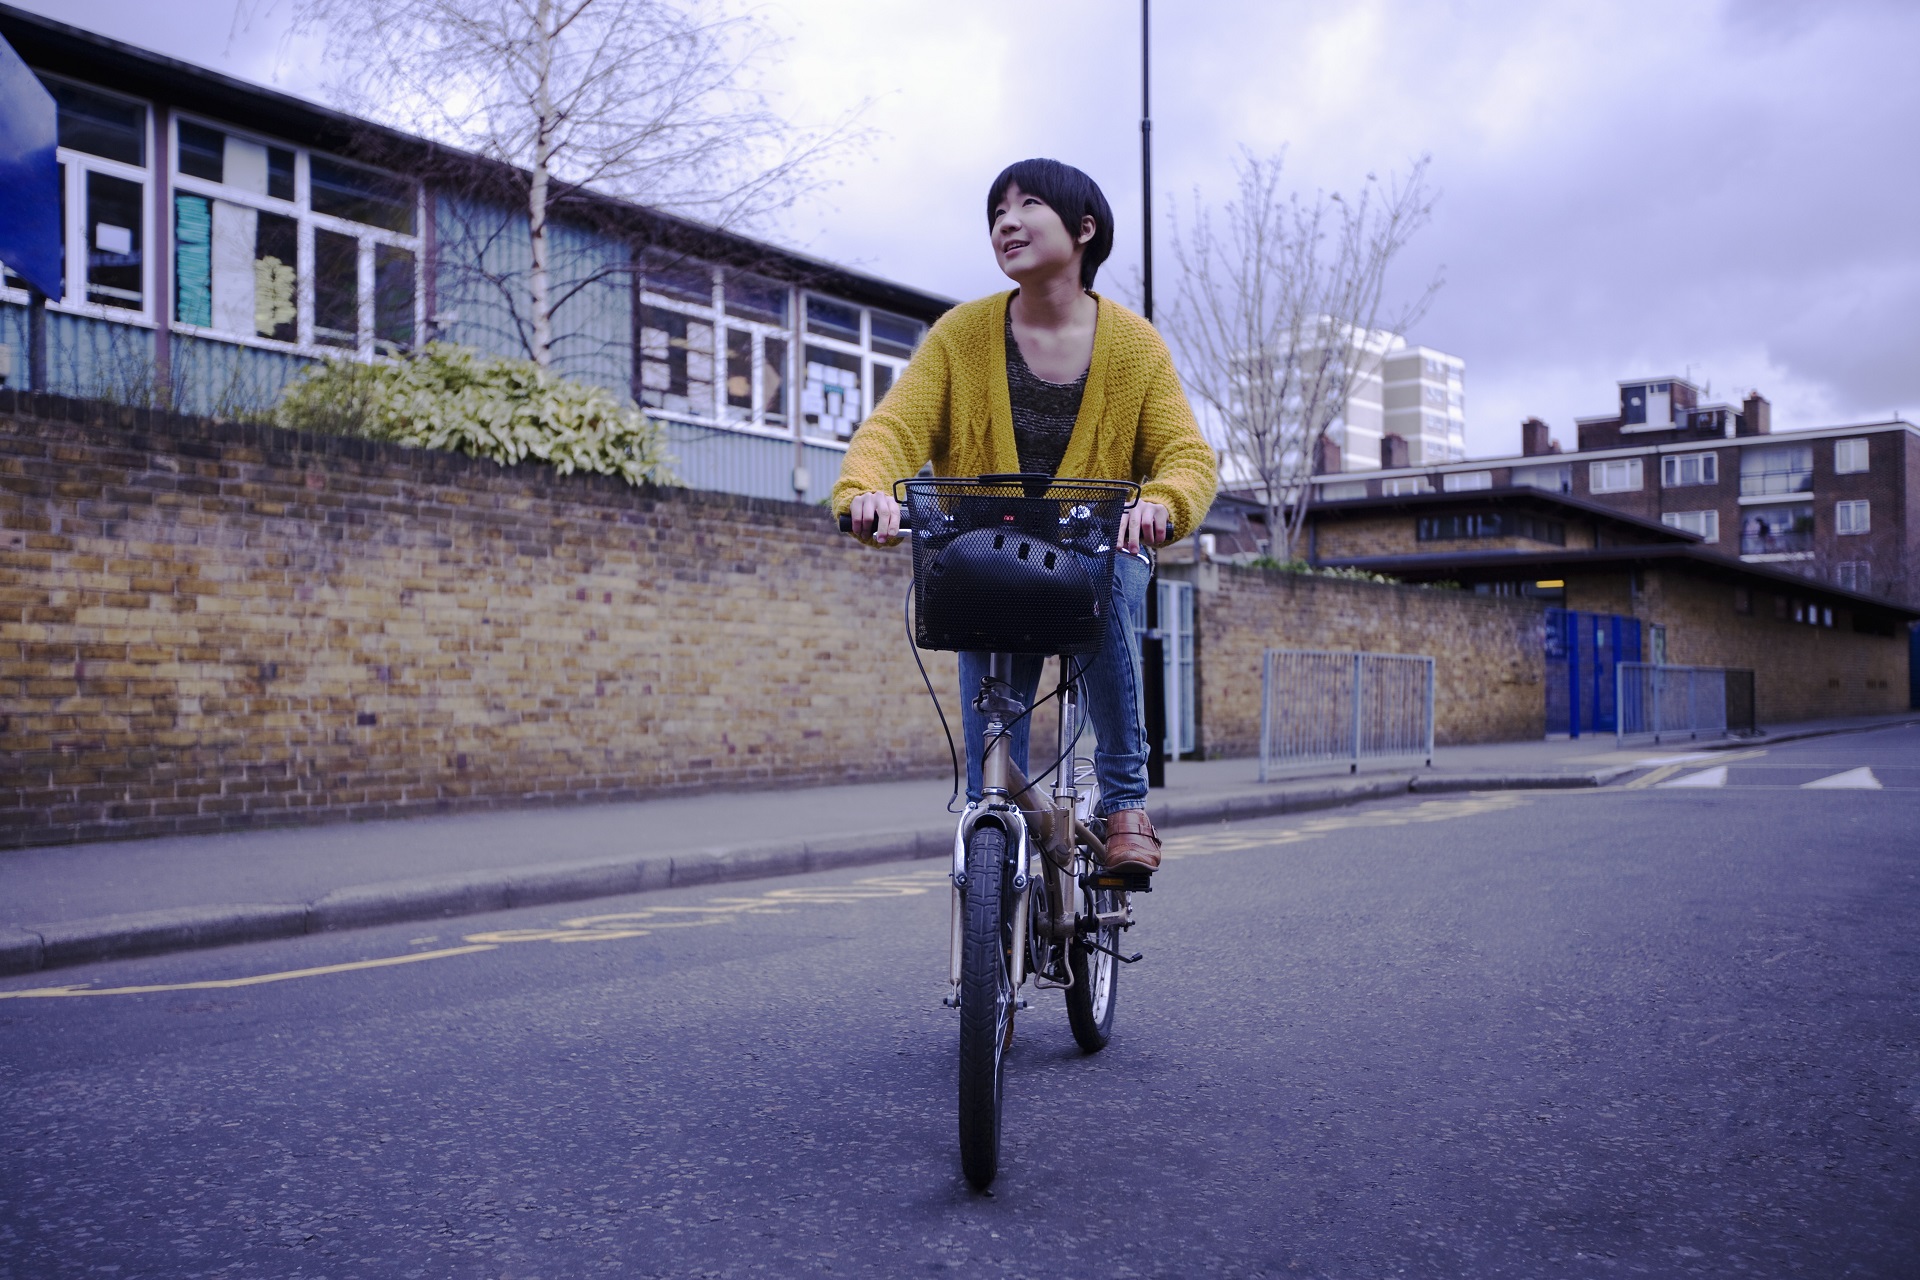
1043,412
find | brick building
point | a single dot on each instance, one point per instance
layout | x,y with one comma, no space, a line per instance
1838,505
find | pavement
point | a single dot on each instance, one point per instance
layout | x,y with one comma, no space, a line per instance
65,905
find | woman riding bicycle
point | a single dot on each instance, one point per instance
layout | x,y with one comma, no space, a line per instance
1050,378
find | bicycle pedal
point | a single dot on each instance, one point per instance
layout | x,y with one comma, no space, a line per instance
1127,880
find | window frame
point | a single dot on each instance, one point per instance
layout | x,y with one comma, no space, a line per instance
74,166
1865,447
307,221
1847,511
1673,466
1596,469
1710,520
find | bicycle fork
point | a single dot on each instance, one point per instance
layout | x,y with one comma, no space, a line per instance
999,776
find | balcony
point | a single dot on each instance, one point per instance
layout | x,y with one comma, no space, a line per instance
1777,531
1766,473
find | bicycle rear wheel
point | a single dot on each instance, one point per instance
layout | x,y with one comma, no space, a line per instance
1096,977
986,1002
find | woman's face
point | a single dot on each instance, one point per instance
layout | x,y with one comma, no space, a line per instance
1030,240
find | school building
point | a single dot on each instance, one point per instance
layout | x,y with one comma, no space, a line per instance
219,236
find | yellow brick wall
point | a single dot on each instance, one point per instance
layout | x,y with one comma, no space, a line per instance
207,627
1801,672
1489,651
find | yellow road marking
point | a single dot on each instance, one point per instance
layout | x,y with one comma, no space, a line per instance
618,925
221,984
1655,777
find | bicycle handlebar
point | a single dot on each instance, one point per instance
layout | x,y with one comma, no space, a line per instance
846,523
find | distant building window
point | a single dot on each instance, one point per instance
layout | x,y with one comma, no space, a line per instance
833,319
753,298
1553,479
1455,528
339,268
1615,475
1852,517
893,335
1704,523
1344,491
1849,456
1405,486
100,124
1786,468
1680,469
1854,575
676,360
1463,481
830,398
1781,530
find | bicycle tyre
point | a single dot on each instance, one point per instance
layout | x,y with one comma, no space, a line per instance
986,1004
1096,981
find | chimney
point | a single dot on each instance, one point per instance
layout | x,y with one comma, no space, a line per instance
1326,457
1756,416
1393,451
1535,438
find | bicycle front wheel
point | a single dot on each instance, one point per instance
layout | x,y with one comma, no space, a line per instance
986,1002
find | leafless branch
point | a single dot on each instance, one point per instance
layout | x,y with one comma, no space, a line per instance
1278,309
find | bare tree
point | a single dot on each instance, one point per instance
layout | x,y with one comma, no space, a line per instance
1277,310
649,100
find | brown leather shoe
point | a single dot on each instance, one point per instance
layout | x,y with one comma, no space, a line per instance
1131,842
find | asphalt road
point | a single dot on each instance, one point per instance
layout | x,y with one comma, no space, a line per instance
1668,1030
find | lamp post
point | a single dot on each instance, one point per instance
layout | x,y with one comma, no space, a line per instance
1146,170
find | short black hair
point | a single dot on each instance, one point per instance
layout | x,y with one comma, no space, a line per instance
1069,193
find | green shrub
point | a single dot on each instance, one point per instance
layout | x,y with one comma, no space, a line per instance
448,397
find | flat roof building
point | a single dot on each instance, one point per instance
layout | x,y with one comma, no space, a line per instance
220,236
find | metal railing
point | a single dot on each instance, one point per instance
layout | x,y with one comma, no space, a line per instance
1322,705
1663,702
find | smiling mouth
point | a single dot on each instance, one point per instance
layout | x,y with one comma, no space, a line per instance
1011,245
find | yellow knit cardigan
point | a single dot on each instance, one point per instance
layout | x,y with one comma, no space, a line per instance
951,406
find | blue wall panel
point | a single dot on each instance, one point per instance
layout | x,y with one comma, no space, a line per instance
732,462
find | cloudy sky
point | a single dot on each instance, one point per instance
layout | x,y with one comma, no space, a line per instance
1720,188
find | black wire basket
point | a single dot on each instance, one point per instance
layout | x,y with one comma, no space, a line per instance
1013,563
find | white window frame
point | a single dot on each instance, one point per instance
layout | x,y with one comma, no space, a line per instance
1673,465
1405,486
1708,522
1596,471
1853,517
73,266
1845,465
1854,575
1466,481
300,210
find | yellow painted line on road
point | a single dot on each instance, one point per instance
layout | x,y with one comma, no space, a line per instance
619,925
1655,777
254,980
595,928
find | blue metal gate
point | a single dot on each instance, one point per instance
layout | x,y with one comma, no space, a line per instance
1583,650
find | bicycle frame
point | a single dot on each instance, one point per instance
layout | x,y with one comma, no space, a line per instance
1003,787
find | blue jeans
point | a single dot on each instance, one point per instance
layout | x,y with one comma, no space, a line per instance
1110,685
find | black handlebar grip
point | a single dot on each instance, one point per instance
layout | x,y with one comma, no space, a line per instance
846,523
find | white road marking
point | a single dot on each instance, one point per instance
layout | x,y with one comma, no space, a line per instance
1860,779
1714,777
1688,758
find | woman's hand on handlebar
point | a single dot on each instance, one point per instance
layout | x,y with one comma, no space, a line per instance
1142,522
878,515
